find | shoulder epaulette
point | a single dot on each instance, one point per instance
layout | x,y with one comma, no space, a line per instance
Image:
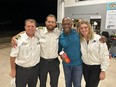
17,37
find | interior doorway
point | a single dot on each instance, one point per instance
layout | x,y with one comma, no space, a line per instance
96,24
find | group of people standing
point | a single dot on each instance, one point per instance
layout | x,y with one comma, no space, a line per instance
36,54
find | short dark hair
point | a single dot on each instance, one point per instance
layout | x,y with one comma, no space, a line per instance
51,15
31,20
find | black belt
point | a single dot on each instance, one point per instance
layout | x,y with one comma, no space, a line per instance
25,68
49,60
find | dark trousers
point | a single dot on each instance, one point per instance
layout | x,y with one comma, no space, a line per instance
26,76
50,66
91,75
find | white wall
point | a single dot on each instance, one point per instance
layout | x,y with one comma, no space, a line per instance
64,4
61,4
69,3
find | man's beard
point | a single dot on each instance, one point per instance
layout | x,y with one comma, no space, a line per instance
50,28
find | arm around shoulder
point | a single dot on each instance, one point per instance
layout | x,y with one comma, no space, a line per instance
13,40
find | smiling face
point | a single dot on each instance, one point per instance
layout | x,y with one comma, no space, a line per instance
50,22
30,27
84,29
67,25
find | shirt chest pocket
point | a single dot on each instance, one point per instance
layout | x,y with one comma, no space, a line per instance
24,50
36,46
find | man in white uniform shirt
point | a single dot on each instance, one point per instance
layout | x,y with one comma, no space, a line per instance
49,62
24,59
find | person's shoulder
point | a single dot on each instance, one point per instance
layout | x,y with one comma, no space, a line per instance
40,31
20,36
23,35
97,36
74,30
22,39
61,35
40,28
57,31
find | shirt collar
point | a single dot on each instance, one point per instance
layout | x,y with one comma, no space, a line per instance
71,32
46,31
25,36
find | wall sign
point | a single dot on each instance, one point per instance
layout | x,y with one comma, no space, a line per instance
111,16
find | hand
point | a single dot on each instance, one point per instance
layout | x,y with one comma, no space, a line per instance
13,73
103,39
102,75
61,56
13,42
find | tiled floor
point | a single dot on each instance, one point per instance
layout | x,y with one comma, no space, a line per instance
5,68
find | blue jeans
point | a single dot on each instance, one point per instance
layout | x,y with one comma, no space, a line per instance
73,75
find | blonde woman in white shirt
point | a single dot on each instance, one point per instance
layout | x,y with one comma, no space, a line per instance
95,55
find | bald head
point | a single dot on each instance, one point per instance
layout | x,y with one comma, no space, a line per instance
66,19
66,24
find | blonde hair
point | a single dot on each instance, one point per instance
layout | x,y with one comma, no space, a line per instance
91,32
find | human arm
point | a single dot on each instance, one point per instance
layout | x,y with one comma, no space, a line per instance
13,54
103,39
13,40
59,45
13,67
104,58
59,48
61,53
